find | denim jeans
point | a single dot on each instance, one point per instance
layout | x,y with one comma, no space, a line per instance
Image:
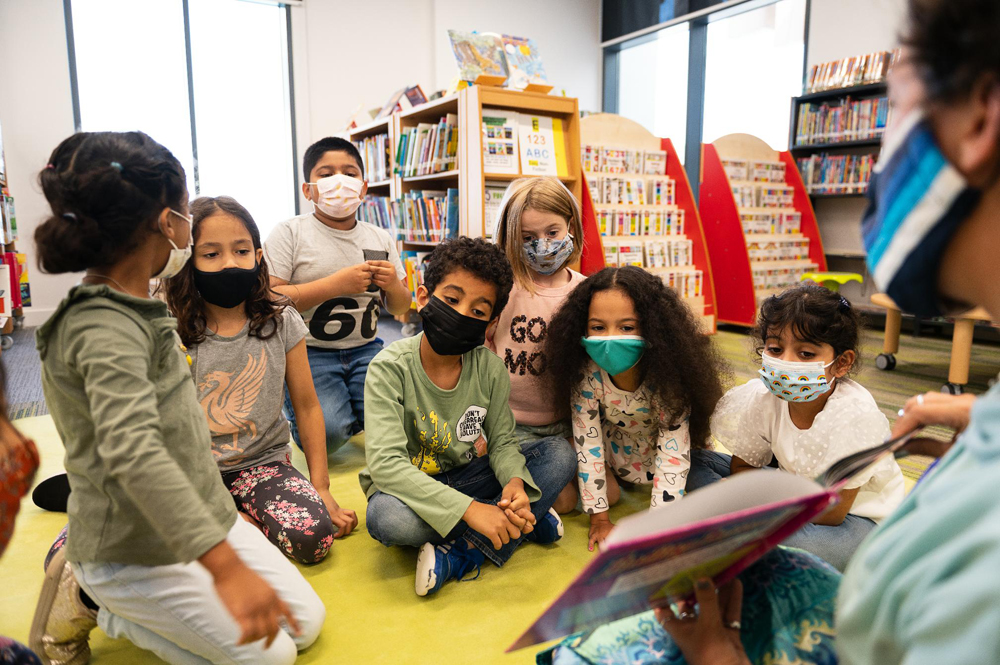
550,461
175,612
339,377
833,544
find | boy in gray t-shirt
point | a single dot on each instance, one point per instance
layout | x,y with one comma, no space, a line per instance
338,272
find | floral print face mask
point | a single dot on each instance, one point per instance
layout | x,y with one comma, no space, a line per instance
547,255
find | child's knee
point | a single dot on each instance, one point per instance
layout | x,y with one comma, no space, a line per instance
283,651
311,615
567,499
312,547
391,522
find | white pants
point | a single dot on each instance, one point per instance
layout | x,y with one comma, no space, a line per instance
175,612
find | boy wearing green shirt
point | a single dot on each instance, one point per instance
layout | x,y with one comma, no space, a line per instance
445,471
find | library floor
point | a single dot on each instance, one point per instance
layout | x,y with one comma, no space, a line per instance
373,614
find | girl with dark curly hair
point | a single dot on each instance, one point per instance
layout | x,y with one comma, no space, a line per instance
642,381
246,344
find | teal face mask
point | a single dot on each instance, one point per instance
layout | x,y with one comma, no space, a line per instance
615,353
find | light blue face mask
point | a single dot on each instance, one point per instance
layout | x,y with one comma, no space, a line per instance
547,255
615,353
794,382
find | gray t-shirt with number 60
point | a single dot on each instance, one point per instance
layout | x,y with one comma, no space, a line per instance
304,249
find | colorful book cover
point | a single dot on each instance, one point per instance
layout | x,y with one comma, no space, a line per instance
536,138
478,55
524,63
500,142
559,146
22,260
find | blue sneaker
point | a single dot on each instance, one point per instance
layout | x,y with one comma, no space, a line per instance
436,564
549,529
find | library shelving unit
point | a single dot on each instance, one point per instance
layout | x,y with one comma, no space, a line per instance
675,250
750,218
13,281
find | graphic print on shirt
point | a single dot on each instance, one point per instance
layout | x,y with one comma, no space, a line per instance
470,430
523,331
229,401
338,317
434,439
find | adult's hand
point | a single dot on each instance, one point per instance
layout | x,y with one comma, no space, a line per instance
712,637
951,411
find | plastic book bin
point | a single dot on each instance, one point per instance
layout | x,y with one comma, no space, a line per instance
832,280
961,342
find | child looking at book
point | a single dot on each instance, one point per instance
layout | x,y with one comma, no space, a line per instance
445,472
806,413
247,344
338,272
642,380
155,539
539,229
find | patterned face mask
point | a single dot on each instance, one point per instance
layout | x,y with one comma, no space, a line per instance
547,255
794,382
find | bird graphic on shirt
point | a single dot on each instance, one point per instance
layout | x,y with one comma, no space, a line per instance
229,401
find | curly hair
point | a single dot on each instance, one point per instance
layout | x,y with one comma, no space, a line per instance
680,366
477,256
814,314
263,307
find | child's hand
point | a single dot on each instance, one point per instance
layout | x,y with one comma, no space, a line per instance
600,527
713,635
346,520
383,274
491,522
353,279
516,506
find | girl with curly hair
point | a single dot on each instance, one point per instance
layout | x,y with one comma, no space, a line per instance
642,381
246,344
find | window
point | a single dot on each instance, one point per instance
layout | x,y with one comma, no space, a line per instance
653,84
752,70
131,71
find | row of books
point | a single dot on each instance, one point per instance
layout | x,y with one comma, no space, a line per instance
754,171
771,222
602,159
846,120
836,174
639,222
427,216
780,278
855,70
414,263
763,195
687,283
380,211
632,190
428,148
649,253
375,156
15,290
780,250
8,219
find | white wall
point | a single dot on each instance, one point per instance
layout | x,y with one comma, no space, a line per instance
36,113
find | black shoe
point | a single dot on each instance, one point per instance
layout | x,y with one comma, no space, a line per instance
52,494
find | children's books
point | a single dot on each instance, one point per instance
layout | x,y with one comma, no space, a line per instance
480,58
524,65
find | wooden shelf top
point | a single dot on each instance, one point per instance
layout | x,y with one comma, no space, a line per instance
443,175
770,265
421,243
532,102
380,126
433,109
380,183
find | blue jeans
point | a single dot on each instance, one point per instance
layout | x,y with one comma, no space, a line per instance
339,377
550,461
833,544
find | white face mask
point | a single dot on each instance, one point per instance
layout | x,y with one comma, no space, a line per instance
178,257
338,195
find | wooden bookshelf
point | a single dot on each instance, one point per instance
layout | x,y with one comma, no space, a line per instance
728,244
615,132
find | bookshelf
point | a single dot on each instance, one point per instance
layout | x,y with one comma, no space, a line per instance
15,292
673,224
759,224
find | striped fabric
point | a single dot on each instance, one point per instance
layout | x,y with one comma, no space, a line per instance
916,201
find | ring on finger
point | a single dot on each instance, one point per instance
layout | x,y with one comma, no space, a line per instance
735,625
686,616
920,400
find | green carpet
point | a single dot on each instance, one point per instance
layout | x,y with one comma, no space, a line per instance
373,614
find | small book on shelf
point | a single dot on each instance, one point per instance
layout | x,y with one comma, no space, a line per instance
652,559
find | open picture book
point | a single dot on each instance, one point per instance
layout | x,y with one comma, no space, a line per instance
653,558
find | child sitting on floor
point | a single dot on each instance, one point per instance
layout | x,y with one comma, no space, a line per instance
246,343
539,229
445,472
806,413
642,380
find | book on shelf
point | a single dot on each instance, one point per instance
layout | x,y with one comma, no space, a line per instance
479,57
846,120
763,195
614,222
777,250
524,64
8,223
6,294
836,174
649,252
500,142
778,221
628,189
428,216
13,285
652,559
22,261
403,100
492,197
536,140
375,156
414,263
380,211
780,277
428,148
855,70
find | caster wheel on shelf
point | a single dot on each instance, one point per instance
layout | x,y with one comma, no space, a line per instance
953,388
885,361
18,323
6,342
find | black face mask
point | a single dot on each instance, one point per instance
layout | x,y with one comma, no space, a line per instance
226,288
450,333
